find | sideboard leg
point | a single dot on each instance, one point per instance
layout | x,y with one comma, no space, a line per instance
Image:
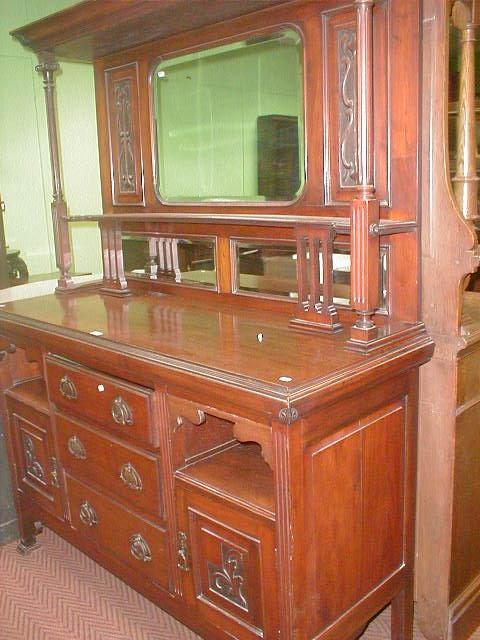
402,614
28,537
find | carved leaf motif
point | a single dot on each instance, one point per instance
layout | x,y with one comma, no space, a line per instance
33,466
347,74
126,160
228,580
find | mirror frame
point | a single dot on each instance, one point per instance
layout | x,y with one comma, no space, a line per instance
210,44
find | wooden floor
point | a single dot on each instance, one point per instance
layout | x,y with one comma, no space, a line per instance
58,593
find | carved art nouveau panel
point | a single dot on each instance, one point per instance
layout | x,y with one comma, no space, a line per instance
124,134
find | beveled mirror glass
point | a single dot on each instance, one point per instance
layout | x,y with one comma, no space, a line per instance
269,269
229,122
190,261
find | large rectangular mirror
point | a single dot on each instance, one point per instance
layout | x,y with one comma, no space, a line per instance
229,122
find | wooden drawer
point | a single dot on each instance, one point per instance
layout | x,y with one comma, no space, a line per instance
129,474
131,539
124,408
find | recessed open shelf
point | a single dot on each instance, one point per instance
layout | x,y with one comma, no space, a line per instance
238,474
32,392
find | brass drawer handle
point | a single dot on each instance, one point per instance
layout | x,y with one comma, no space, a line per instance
54,472
67,388
121,412
182,552
88,515
130,477
139,548
76,447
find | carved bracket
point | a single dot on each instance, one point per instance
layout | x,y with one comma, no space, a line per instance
193,421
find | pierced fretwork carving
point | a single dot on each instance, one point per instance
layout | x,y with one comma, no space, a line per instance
114,279
347,74
126,159
163,261
32,464
315,280
228,580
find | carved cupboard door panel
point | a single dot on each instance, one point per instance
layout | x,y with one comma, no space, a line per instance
36,466
228,560
124,134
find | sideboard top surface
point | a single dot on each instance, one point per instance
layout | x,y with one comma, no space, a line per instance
210,339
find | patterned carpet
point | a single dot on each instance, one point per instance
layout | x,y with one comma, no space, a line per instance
58,593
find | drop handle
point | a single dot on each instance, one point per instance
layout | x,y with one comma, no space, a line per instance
88,515
121,412
139,548
130,477
67,388
76,448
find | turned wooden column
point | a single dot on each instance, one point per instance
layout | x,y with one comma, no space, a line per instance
48,66
465,182
365,244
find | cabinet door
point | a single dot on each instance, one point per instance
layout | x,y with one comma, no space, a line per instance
35,463
228,559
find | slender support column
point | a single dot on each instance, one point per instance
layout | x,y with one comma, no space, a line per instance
465,182
365,244
63,253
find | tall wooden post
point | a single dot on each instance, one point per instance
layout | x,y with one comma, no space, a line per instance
365,244
465,182
63,253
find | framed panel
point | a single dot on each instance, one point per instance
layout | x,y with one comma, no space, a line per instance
126,164
340,79
230,565
37,470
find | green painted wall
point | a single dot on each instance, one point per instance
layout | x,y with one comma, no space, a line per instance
25,179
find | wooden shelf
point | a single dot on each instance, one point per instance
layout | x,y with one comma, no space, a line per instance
341,224
32,392
238,474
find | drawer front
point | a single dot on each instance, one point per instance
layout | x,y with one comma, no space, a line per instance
124,408
118,532
36,467
129,474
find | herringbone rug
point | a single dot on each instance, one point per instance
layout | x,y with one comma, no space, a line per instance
58,593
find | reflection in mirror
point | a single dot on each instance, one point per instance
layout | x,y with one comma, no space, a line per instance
229,122
188,261
270,269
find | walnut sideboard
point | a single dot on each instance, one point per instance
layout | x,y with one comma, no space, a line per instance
168,448
227,419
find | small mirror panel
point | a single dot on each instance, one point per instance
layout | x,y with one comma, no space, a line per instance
189,261
229,122
269,269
